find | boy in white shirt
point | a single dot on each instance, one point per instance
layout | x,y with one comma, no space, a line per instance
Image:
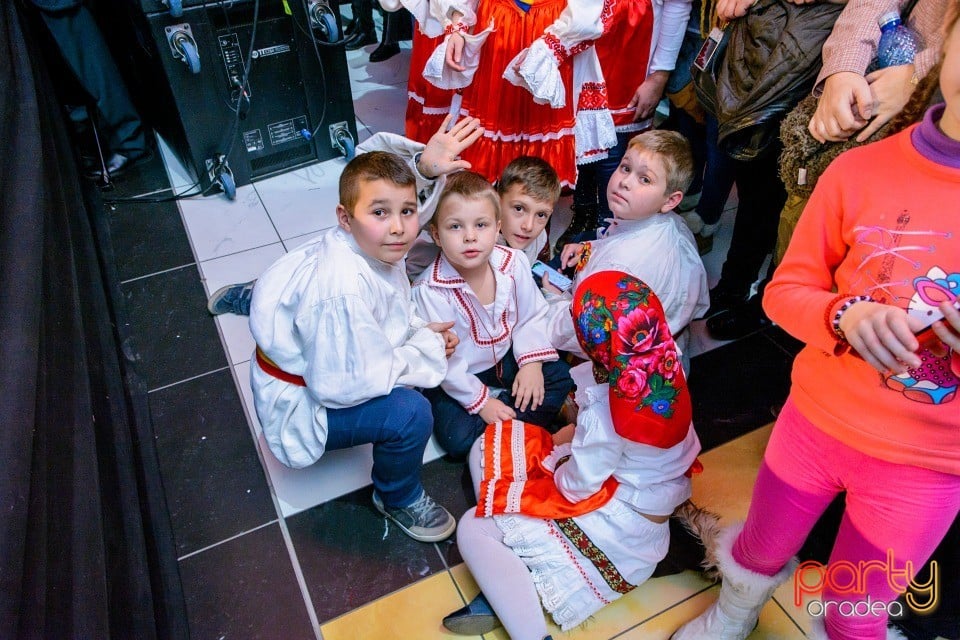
646,238
340,348
499,316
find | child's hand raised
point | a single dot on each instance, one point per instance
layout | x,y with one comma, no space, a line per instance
442,153
547,286
528,386
450,339
882,335
495,411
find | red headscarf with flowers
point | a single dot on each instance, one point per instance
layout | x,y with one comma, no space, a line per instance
621,326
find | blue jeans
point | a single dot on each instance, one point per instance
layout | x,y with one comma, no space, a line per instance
398,425
456,429
713,169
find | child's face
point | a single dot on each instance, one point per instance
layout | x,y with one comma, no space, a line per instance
522,217
466,232
638,188
950,83
384,221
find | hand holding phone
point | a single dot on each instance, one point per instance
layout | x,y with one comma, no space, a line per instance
556,278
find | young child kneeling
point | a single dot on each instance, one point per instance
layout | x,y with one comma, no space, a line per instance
573,521
499,315
339,347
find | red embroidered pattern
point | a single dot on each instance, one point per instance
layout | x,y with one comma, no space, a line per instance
611,575
559,51
468,309
476,404
593,96
454,28
555,533
534,356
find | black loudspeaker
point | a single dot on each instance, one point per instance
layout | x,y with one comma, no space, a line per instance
236,113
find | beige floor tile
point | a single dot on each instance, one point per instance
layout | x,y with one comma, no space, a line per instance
413,613
729,472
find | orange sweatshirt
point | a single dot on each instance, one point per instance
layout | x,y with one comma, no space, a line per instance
883,221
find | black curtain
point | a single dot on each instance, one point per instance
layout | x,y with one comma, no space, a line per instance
86,548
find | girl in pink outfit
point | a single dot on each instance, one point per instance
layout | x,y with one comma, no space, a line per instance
872,411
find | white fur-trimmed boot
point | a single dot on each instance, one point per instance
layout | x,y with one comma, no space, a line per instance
743,594
818,632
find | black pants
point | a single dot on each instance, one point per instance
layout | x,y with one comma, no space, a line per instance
85,52
456,430
761,196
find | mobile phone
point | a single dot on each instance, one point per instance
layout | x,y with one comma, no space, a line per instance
708,49
925,335
556,278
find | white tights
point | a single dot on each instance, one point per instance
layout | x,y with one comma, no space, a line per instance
502,576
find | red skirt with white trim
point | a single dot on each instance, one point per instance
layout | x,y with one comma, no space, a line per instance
427,105
515,125
630,34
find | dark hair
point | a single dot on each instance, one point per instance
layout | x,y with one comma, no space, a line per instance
470,186
374,165
534,175
675,152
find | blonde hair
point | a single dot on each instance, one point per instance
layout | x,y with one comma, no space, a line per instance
674,150
470,186
375,165
534,175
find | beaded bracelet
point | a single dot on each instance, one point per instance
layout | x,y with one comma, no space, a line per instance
843,309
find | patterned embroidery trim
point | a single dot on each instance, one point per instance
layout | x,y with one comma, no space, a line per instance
474,406
556,47
518,453
536,356
554,532
593,96
474,321
495,471
459,27
611,575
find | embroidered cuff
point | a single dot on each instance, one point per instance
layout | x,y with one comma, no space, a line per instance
540,355
454,27
475,406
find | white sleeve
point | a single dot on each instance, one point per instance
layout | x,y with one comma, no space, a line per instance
560,324
531,343
349,359
670,25
462,386
594,454
575,29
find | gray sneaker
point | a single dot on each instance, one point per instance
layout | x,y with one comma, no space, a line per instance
233,298
424,520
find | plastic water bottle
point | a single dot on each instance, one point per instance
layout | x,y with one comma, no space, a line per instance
898,44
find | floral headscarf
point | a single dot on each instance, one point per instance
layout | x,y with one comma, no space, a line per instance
621,326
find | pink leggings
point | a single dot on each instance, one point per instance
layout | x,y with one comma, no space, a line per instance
890,509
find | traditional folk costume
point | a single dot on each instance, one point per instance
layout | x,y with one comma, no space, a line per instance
334,328
574,513
660,250
495,340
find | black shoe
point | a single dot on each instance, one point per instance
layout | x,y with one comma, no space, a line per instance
359,40
384,52
349,28
738,321
723,297
474,619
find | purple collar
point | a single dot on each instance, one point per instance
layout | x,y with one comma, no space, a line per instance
934,144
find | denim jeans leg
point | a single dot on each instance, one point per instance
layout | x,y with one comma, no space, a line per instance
718,176
454,428
556,382
398,425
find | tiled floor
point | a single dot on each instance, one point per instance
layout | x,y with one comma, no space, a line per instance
271,552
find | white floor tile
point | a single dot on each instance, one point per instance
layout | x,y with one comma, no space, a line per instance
382,108
238,267
302,201
218,227
335,474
